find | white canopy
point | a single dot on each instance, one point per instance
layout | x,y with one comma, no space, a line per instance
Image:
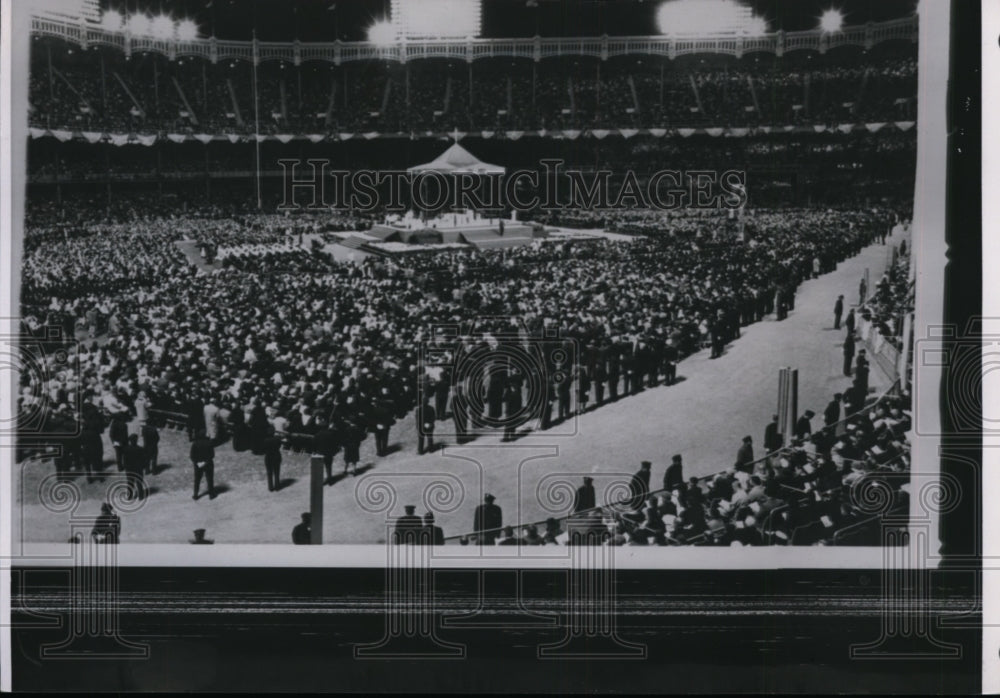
458,160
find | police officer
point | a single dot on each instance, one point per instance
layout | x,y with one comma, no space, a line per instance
135,463
203,460
426,416
150,444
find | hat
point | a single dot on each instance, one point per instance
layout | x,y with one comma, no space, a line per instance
409,508
747,438
489,498
588,480
429,517
676,458
646,464
810,413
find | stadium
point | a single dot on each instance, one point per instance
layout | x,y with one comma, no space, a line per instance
695,329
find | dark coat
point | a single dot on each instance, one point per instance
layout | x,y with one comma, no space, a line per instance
585,498
487,518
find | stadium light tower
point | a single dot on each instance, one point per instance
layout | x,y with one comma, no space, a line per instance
382,33
831,21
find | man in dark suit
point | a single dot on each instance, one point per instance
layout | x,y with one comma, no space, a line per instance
426,416
487,520
849,322
92,451
564,391
151,445
861,375
674,474
119,439
803,427
272,460
831,415
381,420
744,456
431,534
585,496
459,410
773,440
513,403
203,459
639,485
838,310
108,526
135,464
614,371
325,443
670,362
302,533
441,393
408,527
848,353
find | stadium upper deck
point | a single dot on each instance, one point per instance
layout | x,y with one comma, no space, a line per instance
86,78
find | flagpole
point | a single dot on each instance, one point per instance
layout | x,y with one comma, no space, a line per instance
256,114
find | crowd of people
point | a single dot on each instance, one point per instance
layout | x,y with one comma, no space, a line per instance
291,346
100,90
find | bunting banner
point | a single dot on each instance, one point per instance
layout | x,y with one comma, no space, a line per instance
571,134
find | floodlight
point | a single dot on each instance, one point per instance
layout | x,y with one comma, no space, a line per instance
187,30
112,20
831,21
139,25
161,27
707,17
382,33
433,19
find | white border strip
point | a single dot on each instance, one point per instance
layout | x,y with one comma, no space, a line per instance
989,73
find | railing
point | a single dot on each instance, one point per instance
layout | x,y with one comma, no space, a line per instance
535,48
618,505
